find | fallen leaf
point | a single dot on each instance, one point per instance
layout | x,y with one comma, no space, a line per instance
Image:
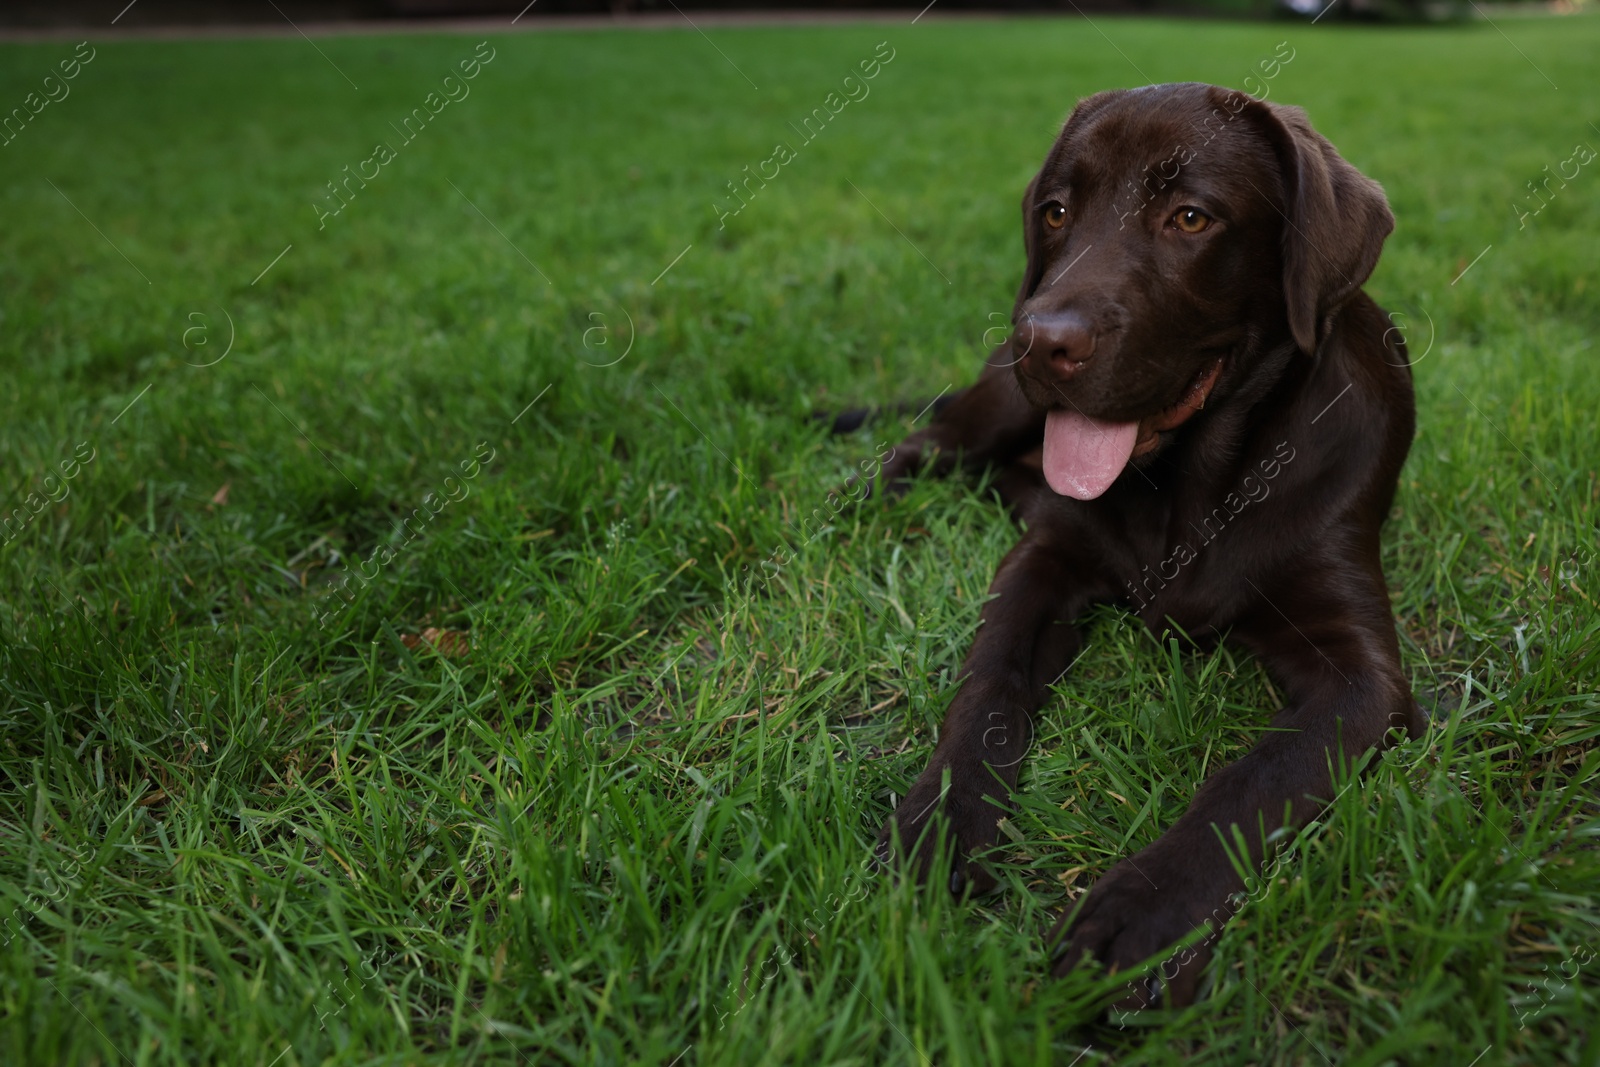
445,642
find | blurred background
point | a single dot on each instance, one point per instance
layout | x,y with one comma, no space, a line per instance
158,14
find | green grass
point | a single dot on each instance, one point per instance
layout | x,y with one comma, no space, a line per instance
626,823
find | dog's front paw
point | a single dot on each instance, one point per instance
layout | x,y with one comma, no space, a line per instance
1138,909
942,810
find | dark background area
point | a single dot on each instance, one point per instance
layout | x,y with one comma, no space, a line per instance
151,14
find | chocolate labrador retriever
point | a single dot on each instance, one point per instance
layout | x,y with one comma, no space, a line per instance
1201,416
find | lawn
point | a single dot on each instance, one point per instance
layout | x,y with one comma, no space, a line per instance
382,675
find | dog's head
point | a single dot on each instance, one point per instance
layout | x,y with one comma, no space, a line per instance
1172,232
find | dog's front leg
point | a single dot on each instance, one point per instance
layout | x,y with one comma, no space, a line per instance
1331,644
1024,643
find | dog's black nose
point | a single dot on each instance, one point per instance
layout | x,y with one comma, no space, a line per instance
1058,341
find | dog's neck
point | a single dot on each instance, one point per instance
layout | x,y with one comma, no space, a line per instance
1261,375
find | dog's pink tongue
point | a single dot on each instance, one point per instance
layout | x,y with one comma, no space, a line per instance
1083,456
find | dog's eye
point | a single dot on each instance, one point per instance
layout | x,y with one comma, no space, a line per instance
1190,219
1055,216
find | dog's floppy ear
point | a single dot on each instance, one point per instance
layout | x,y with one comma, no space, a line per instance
1335,221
